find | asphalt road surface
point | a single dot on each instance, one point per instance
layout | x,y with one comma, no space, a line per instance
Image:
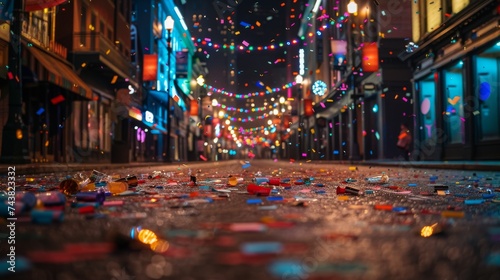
254,220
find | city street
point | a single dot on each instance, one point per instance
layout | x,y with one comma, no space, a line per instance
257,220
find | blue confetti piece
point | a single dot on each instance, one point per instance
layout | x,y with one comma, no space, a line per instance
245,24
412,185
287,269
320,192
246,165
40,111
261,180
204,188
252,248
473,201
274,198
399,209
254,201
369,192
488,195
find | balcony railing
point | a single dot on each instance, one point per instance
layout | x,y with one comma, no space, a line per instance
109,53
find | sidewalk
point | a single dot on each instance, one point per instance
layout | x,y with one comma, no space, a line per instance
47,168
44,168
453,165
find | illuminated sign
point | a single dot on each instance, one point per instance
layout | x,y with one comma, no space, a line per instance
135,113
301,62
217,130
319,87
141,135
149,117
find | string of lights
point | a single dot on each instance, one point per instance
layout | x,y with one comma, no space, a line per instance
268,91
242,110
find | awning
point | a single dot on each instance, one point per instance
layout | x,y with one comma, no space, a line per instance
35,5
60,73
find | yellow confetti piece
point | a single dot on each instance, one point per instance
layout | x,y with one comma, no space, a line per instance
358,206
108,51
452,214
343,198
267,219
84,64
353,168
440,192
115,78
257,23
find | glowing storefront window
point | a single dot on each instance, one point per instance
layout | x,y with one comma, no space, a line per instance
427,94
454,121
486,88
458,5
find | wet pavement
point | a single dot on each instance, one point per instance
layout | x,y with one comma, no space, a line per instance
259,219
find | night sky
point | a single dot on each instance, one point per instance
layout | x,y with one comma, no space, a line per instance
257,23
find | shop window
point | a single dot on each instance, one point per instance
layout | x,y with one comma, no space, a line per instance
458,5
454,121
427,96
80,120
486,87
434,14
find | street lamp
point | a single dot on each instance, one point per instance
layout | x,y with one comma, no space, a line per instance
279,144
352,9
169,25
201,82
299,79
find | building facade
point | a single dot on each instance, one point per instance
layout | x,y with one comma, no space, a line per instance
455,55
354,91
97,36
46,85
84,94
167,57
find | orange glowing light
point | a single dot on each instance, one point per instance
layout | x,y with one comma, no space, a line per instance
147,236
